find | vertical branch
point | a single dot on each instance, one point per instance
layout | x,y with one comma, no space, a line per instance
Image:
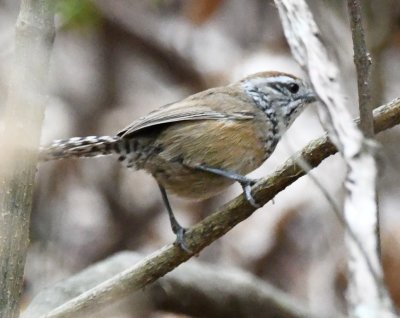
19,140
367,295
362,61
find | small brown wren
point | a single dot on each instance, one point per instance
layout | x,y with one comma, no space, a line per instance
197,147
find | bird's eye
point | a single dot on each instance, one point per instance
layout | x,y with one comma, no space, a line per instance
293,88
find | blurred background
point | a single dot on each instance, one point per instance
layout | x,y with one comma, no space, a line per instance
114,61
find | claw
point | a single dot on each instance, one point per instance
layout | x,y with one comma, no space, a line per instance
246,185
180,239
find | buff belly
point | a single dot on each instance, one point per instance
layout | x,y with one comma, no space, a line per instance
229,145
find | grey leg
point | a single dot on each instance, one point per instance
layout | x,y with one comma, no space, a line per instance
245,182
178,229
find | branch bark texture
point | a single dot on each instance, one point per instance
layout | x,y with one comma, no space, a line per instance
362,61
367,294
22,121
214,226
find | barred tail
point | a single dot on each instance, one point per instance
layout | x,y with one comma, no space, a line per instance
81,147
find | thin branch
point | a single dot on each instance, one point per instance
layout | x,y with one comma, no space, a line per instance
366,291
214,226
362,61
338,213
196,289
20,137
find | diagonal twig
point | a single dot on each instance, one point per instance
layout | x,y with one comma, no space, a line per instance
197,289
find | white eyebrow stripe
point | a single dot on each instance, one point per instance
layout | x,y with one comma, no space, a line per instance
282,79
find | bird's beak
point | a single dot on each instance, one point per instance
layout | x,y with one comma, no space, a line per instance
310,97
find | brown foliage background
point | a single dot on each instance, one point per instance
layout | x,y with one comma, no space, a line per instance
114,61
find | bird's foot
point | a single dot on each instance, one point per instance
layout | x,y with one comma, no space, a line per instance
246,184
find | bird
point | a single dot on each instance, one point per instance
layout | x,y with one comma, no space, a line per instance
197,147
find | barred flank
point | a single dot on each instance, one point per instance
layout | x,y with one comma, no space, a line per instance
77,147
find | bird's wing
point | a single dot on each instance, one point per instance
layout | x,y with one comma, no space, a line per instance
193,108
